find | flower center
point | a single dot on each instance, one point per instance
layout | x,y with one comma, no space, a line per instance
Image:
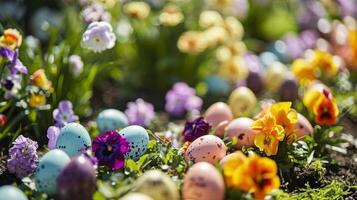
107,151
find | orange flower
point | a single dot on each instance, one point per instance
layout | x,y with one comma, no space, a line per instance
285,116
39,79
230,163
11,39
258,175
325,110
37,100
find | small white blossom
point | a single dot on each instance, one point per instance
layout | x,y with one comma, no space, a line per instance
98,37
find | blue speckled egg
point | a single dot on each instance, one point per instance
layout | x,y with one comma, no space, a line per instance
9,192
111,119
49,167
138,139
73,139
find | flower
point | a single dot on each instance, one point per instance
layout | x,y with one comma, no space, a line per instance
76,65
210,18
110,149
98,37
269,134
171,16
12,85
257,175
195,129
64,114
95,12
181,98
37,100
303,71
234,27
14,64
191,42
140,112
325,62
231,164
285,116
234,69
3,120
23,157
11,39
140,10
52,135
40,79
325,109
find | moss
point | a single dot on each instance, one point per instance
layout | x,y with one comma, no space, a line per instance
318,168
335,190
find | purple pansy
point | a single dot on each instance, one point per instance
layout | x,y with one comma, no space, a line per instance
64,114
23,157
14,64
110,149
182,98
11,85
140,112
195,129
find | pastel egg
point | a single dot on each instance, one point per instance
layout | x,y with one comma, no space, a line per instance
203,181
9,192
242,101
138,138
208,148
217,86
77,180
255,79
48,169
276,74
241,129
220,130
111,119
289,89
136,196
73,139
302,127
157,185
217,113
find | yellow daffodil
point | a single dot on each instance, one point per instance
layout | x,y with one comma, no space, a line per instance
11,39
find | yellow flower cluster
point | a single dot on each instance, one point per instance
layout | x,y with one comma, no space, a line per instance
137,9
40,80
273,125
253,174
171,15
11,39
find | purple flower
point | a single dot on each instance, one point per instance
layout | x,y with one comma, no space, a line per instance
14,64
171,136
309,13
140,112
11,85
348,8
76,65
195,129
110,149
182,98
52,135
23,157
309,38
64,114
94,13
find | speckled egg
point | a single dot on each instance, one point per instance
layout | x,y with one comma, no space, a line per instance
77,180
302,127
73,139
9,192
217,113
157,185
289,89
208,148
242,101
136,196
276,74
48,169
241,129
138,139
203,181
111,119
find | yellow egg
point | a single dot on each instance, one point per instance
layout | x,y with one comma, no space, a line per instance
276,74
157,185
203,181
136,196
242,101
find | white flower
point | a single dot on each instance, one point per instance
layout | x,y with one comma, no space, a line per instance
98,37
76,65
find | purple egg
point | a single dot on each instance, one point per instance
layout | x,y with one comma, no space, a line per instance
289,89
77,180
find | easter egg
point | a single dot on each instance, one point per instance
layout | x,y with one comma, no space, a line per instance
241,129
48,169
289,89
255,79
138,139
242,101
136,196
73,139
302,127
111,119
217,86
203,181
157,185
77,180
208,148
276,74
9,192
217,113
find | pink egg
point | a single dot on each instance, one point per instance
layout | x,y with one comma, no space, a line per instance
217,113
208,148
302,127
241,129
203,181
221,129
